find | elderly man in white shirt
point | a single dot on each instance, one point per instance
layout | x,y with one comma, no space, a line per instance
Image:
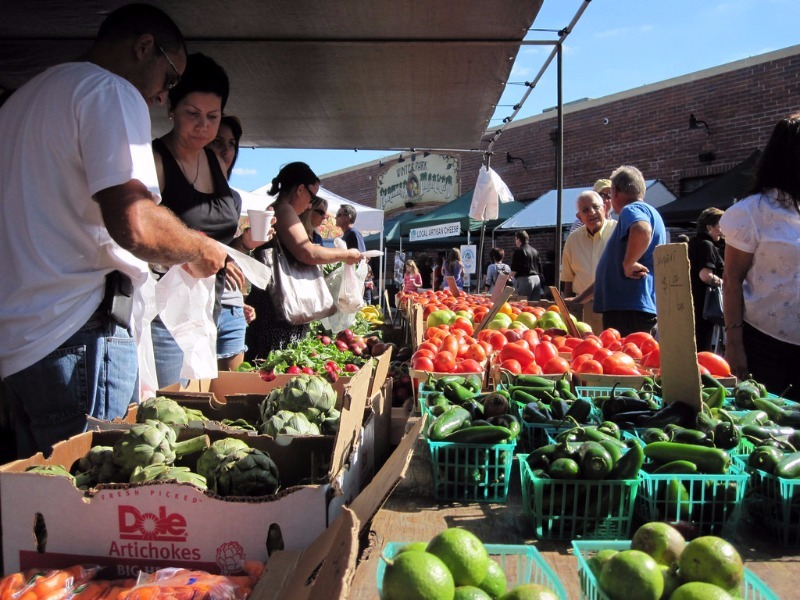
582,252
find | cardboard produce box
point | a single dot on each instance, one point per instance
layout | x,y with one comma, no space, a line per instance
155,525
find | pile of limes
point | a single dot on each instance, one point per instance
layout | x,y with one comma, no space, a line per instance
661,565
454,565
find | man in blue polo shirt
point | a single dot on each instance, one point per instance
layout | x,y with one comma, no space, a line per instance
624,281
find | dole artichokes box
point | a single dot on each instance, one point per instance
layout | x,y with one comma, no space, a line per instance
48,521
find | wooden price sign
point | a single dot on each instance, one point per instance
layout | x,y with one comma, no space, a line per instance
572,329
505,294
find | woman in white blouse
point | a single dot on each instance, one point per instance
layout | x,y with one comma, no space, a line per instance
762,269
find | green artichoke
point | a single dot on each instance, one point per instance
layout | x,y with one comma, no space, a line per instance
307,391
96,466
289,423
269,406
56,470
213,455
249,472
330,425
162,472
149,443
162,409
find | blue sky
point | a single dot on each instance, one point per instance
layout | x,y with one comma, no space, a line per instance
617,45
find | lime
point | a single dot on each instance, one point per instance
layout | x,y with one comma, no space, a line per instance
494,583
530,591
421,546
671,580
660,540
470,592
416,575
598,560
713,560
700,590
632,575
463,553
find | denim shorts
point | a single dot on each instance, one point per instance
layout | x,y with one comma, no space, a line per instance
95,372
231,327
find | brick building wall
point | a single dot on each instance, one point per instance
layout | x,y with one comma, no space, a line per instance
647,127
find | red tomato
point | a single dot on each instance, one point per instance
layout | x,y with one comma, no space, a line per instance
638,338
588,346
522,343
609,335
450,344
570,342
716,365
475,352
469,366
487,347
558,341
544,351
444,362
648,346
518,353
601,354
615,345
703,370
557,364
579,360
590,366
422,364
497,340
463,324
532,369
434,348
423,354
652,359
511,365
530,336
618,362
484,334
632,350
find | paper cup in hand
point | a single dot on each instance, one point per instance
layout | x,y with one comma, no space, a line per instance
260,223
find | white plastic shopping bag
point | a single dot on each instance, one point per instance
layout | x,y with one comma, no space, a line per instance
490,190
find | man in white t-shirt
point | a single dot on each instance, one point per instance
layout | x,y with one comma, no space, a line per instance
78,198
582,252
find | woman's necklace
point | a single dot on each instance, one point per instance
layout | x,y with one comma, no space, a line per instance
197,170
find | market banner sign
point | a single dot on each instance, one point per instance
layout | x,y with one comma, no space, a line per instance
419,178
435,232
468,258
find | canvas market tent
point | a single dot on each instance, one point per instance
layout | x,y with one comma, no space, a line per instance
456,211
721,193
541,213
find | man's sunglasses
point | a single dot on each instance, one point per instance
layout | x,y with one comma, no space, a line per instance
171,83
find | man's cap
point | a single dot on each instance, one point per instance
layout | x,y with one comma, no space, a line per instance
601,184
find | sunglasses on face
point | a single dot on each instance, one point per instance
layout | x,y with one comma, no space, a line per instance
170,82
320,212
605,195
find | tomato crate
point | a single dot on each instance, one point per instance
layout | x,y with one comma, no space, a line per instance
773,505
568,509
712,503
473,472
752,587
521,564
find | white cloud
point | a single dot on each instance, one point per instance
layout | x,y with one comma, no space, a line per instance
243,172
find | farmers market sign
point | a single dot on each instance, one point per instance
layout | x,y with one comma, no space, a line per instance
419,178
434,232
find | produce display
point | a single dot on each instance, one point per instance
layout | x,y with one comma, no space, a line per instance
456,564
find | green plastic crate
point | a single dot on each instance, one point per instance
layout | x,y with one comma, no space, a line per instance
713,503
566,510
752,587
472,472
773,505
521,564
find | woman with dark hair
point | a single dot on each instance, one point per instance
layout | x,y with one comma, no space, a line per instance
296,187
193,185
762,269
234,315
497,268
453,267
705,270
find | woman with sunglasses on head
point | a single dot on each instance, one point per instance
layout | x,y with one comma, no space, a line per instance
313,218
193,185
234,315
296,187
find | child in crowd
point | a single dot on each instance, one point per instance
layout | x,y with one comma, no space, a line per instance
412,279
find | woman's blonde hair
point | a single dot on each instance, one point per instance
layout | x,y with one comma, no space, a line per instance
317,204
414,268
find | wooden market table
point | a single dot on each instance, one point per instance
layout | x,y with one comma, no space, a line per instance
412,514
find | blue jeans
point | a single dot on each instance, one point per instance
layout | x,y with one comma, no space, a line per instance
168,355
95,372
231,327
